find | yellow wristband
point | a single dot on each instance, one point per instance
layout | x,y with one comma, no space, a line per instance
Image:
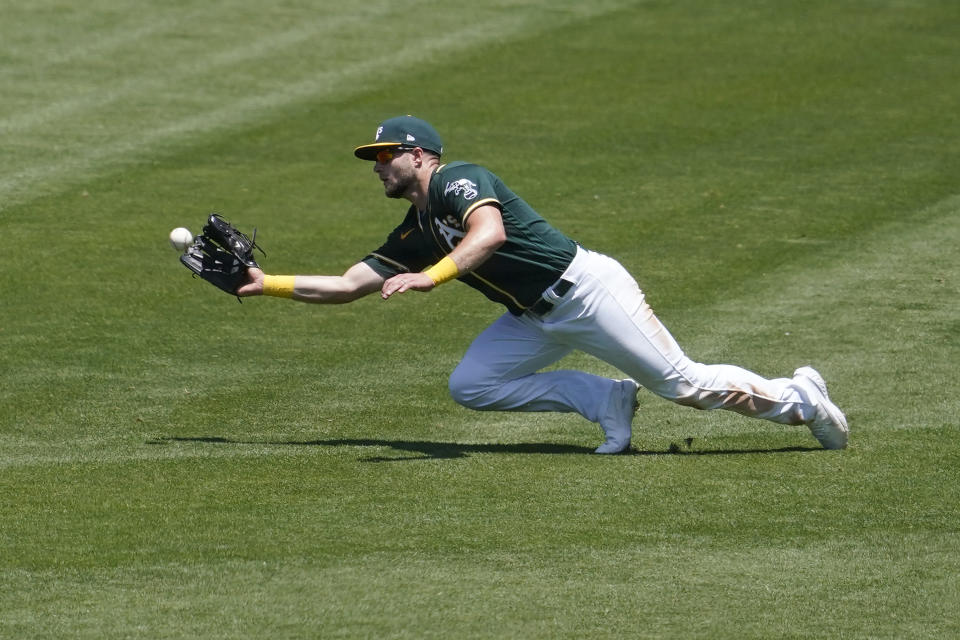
278,286
443,271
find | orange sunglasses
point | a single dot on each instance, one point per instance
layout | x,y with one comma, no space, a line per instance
387,155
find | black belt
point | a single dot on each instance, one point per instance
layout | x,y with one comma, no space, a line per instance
544,306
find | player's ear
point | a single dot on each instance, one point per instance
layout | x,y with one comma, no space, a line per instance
418,156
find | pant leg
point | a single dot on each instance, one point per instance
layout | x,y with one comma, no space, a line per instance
607,316
499,373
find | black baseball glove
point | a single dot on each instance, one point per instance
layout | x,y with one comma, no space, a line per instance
221,254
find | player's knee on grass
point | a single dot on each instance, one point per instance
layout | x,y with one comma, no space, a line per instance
467,389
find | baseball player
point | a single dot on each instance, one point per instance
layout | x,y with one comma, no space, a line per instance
465,224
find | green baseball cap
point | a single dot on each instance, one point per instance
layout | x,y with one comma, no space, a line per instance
402,131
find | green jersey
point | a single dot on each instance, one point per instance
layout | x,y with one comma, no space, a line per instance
532,258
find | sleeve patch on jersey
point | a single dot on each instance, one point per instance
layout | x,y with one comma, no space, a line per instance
462,187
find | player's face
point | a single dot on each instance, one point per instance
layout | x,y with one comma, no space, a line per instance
396,171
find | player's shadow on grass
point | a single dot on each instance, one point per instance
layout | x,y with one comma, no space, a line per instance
429,450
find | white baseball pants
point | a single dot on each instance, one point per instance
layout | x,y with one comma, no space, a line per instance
605,314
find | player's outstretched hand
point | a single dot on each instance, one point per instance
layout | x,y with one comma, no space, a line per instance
254,284
404,282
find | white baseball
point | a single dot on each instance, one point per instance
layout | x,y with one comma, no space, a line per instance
181,238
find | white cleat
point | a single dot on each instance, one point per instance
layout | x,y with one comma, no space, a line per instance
828,425
617,423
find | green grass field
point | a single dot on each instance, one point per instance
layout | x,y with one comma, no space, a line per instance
781,178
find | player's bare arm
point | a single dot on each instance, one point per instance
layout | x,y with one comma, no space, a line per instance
358,281
485,234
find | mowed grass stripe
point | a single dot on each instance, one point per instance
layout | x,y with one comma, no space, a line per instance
91,44
130,113
661,581
187,71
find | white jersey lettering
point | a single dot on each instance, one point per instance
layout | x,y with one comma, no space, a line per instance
450,234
